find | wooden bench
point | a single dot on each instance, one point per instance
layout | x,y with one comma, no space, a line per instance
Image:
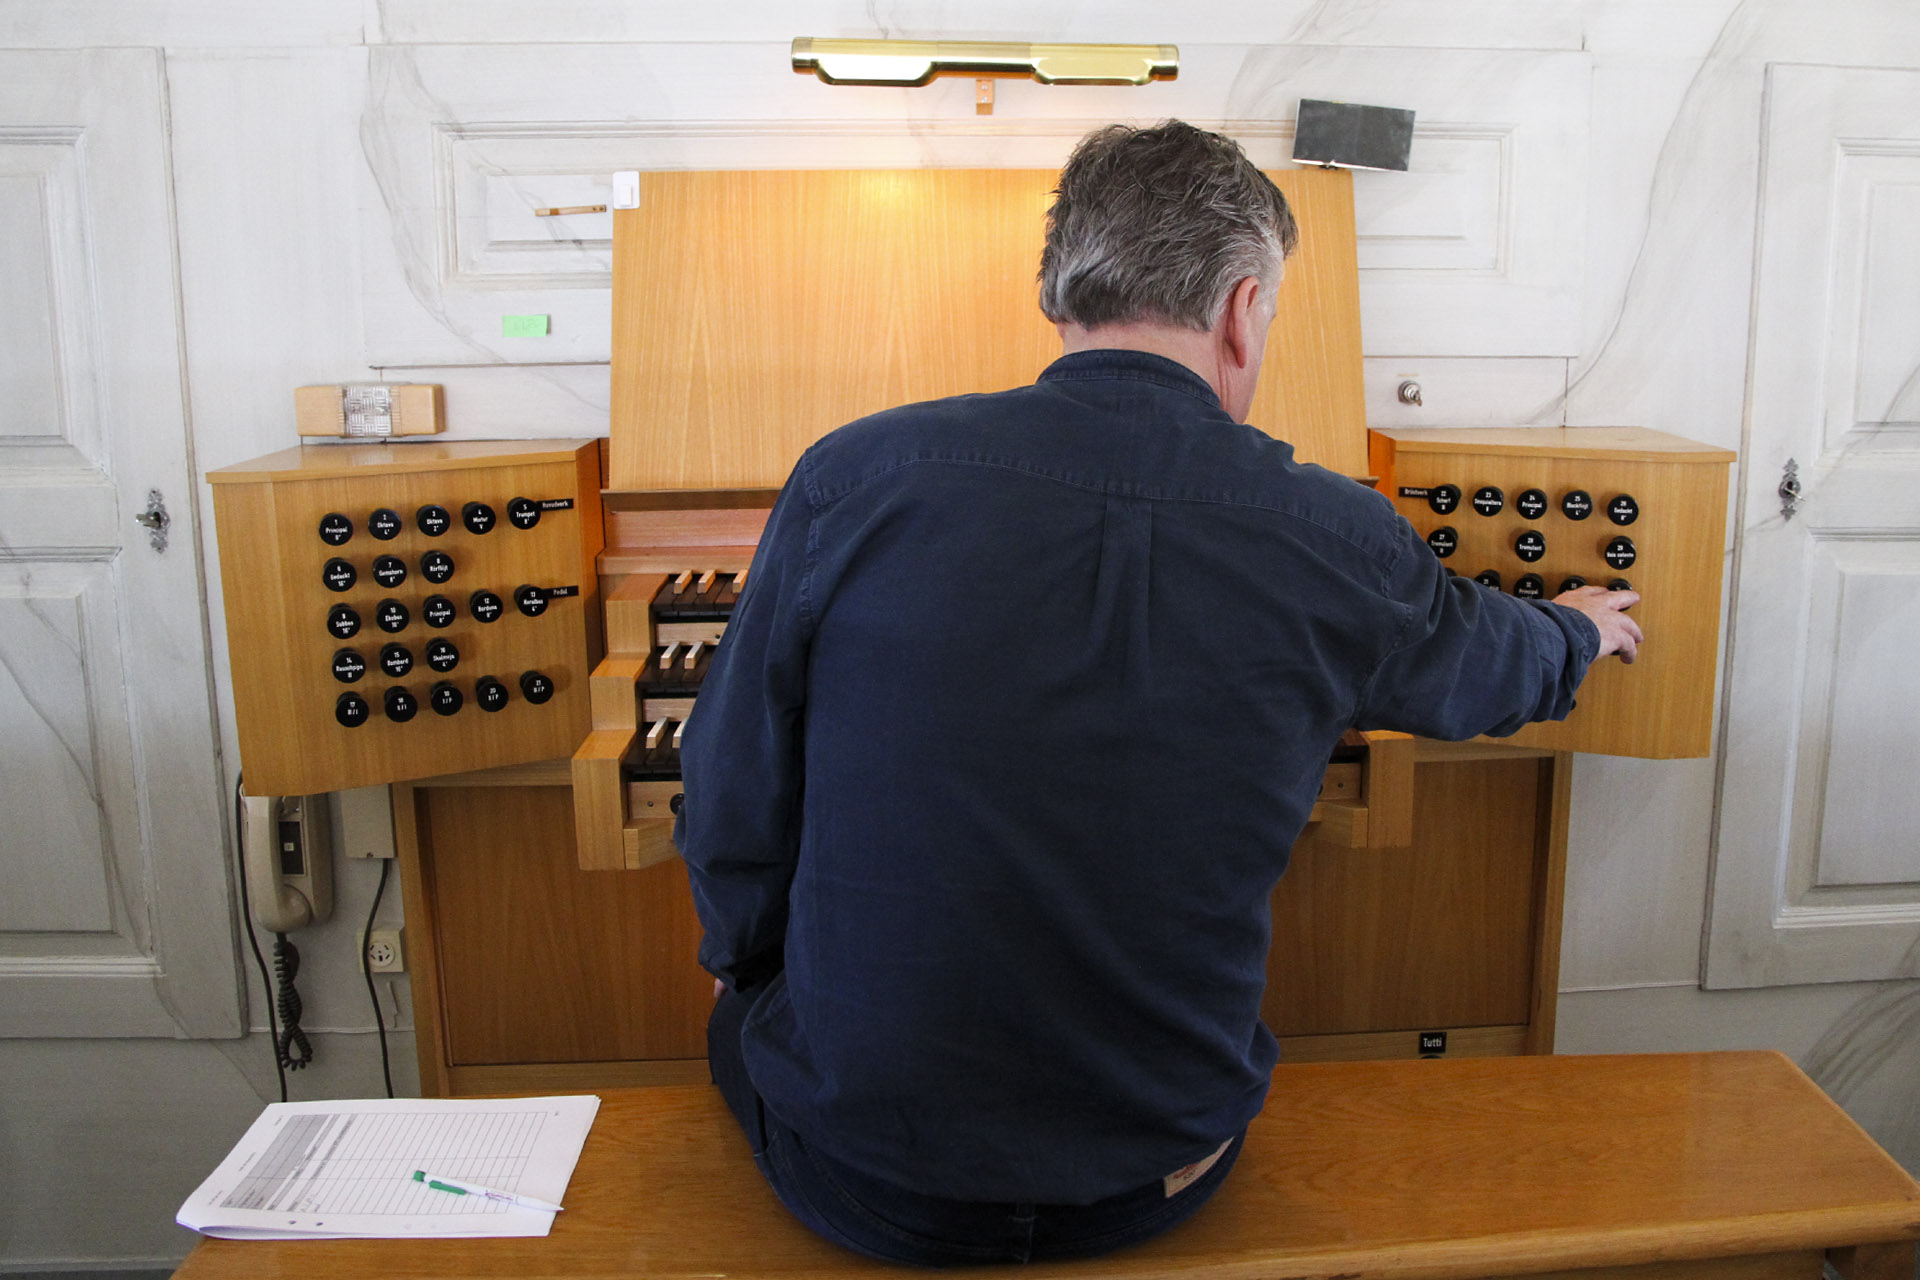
1615,1168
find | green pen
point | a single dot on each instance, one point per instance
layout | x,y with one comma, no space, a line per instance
459,1187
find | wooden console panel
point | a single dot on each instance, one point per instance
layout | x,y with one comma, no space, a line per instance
373,623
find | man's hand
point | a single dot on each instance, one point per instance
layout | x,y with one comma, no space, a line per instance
1607,610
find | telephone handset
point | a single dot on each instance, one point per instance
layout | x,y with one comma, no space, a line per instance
289,853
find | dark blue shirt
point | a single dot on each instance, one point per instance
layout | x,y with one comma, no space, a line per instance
1025,702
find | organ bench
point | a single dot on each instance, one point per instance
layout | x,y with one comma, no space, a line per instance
1651,1167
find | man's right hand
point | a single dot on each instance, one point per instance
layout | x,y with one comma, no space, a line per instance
1607,611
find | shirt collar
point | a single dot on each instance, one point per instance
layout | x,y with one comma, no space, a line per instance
1140,366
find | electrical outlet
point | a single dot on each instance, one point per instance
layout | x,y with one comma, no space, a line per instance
385,953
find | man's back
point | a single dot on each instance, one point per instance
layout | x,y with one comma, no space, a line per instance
1065,665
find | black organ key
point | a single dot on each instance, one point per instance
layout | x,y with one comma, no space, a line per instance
437,611
339,575
1488,500
478,517
1445,541
351,710
389,571
535,686
1530,586
432,520
1577,504
442,656
1488,578
444,698
335,528
391,615
1530,546
1620,553
396,660
436,566
524,513
348,666
1623,509
490,693
343,622
1532,504
530,600
384,524
485,606
400,705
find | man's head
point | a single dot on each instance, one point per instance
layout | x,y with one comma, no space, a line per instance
1158,226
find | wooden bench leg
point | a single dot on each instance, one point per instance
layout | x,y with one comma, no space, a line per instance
1875,1261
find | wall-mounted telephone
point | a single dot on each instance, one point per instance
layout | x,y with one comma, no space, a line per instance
289,851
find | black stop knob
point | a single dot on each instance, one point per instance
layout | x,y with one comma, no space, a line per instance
1530,586
396,660
1572,582
1623,509
391,616
478,517
401,706
1619,584
530,600
351,710
489,693
535,686
1530,546
1620,553
389,571
1488,500
343,622
437,611
1577,504
1444,541
335,528
339,575
1444,498
444,698
436,566
384,524
1488,578
484,606
348,666
442,656
432,520
1532,504
524,512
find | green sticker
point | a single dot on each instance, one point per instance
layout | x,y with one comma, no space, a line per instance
523,326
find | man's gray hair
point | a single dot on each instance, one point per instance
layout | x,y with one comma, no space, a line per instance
1159,225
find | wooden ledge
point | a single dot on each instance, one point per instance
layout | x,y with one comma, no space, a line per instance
1653,1167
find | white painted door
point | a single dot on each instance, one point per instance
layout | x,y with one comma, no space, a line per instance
114,915
1817,863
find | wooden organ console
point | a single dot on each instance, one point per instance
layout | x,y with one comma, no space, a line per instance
553,935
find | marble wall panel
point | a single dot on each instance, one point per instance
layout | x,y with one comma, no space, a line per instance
1476,251
1424,24
47,340
54,877
1858,807
262,24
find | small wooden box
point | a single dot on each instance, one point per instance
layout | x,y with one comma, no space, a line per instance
369,410
1662,705
290,660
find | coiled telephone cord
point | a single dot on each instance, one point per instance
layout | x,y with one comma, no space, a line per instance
290,1045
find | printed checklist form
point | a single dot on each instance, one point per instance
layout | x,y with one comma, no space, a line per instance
395,1168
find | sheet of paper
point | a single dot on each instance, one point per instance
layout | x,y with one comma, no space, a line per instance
338,1169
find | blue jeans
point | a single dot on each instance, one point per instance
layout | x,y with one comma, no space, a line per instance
884,1221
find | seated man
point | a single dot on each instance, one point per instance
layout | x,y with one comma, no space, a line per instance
1026,701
